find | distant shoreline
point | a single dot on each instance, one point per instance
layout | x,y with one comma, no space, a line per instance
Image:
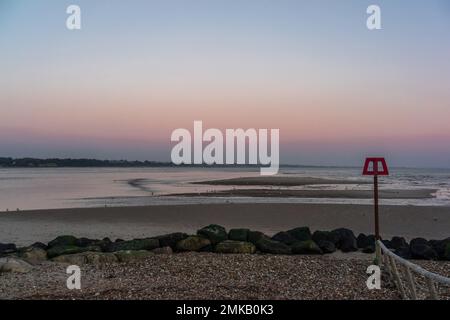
30,162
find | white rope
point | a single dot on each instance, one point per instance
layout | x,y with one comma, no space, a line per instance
414,267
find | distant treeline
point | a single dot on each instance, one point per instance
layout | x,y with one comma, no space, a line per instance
46,163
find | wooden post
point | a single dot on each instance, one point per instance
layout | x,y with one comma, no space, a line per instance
375,197
377,221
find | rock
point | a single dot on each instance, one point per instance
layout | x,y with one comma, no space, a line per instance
208,248
39,245
369,249
63,241
11,264
105,243
325,236
285,238
306,247
132,255
238,234
363,241
422,251
267,245
403,252
163,250
170,240
214,233
79,259
387,244
136,244
85,242
192,243
255,236
301,234
346,240
63,250
33,255
417,241
446,255
7,248
232,246
440,247
326,246
398,242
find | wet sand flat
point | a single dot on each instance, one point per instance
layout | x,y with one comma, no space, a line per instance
344,194
26,227
280,181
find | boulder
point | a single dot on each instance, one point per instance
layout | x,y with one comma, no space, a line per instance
7,248
440,247
387,244
363,241
162,250
369,249
39,245
232,246
398,242
238,234
192,243
446,255
301,234
267,245
79,259
85,242
346,240
417,241
403,252
255,236
105,243
325,236
208,248
63,241
285,238
33,255
326,246
422,251
306,247
63,250
136,244
12,264
214,233
171,239
132,255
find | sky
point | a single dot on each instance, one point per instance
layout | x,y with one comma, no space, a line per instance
137,70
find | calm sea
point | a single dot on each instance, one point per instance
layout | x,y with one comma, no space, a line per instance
48,188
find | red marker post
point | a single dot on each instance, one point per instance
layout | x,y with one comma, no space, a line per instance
376,167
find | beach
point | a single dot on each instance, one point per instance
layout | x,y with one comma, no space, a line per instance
202,276
198,276
26,227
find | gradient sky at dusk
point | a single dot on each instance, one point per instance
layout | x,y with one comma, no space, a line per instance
139,69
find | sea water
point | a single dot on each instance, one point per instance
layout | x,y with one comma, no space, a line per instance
49,188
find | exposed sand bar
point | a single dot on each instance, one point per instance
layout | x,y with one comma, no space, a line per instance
279,181
349,194
133,222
